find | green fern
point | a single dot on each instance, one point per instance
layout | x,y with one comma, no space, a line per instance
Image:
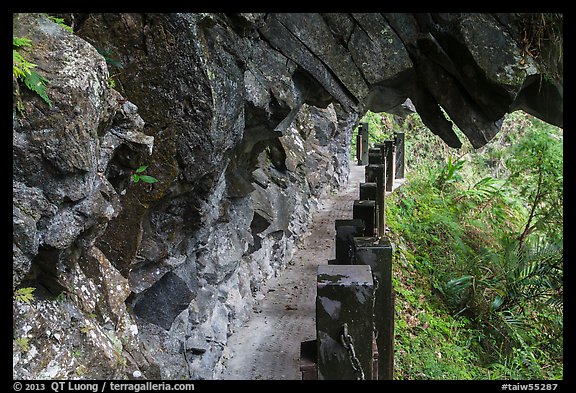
20,66
37,84
23,71
21,41
25,294
60,21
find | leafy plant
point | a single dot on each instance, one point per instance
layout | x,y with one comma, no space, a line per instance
137,176
22,343
23,71
61,297
535,276
536,166
20,66
25,294
85,328
60,21
449,173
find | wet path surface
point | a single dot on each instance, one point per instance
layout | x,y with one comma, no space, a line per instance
268,345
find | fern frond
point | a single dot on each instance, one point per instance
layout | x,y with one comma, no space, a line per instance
25,295
19,42
60,21
20,66
23,71
37,84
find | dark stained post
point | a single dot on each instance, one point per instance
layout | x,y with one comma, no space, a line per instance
344,322
368,191
346,231
399,137
375,173
365,144
382,148
374,156
365,211
390,163
359,147
308,360
377,253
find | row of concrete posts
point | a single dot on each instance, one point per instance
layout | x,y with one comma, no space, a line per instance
355,298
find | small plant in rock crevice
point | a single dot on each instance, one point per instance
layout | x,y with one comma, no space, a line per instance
25,295
138,175
22,343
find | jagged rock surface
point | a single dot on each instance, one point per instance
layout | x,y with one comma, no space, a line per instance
245,120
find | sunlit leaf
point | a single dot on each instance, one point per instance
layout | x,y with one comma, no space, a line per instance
148,179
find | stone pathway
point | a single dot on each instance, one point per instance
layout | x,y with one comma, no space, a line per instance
268,345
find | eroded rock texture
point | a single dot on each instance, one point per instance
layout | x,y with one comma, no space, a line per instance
245,121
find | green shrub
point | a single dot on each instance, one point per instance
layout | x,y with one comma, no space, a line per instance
483,236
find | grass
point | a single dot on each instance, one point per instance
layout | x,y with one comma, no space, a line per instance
429,342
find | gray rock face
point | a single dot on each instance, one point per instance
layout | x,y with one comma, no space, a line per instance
245,120
62,202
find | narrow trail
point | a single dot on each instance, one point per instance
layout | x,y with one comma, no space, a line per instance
268,345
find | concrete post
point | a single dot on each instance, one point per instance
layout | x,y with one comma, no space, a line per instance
346,231
359,147
399,137
344,322
374,156
382,148
368,191
365,144
366,211
375,173
377,253
390,164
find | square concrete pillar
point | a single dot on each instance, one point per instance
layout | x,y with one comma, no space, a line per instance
376,173
366,211
359,147
377,253
390,163
399,139
374,156
346,231
368,191
365,139
344,322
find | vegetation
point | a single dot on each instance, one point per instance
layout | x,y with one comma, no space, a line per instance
137,175
60,21
542,40
23,71
23,343
478,268
25,295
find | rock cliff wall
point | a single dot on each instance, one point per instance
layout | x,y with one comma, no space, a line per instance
245,120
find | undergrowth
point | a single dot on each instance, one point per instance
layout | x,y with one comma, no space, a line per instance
478,266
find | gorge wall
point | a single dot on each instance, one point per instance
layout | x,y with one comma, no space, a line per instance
245,120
